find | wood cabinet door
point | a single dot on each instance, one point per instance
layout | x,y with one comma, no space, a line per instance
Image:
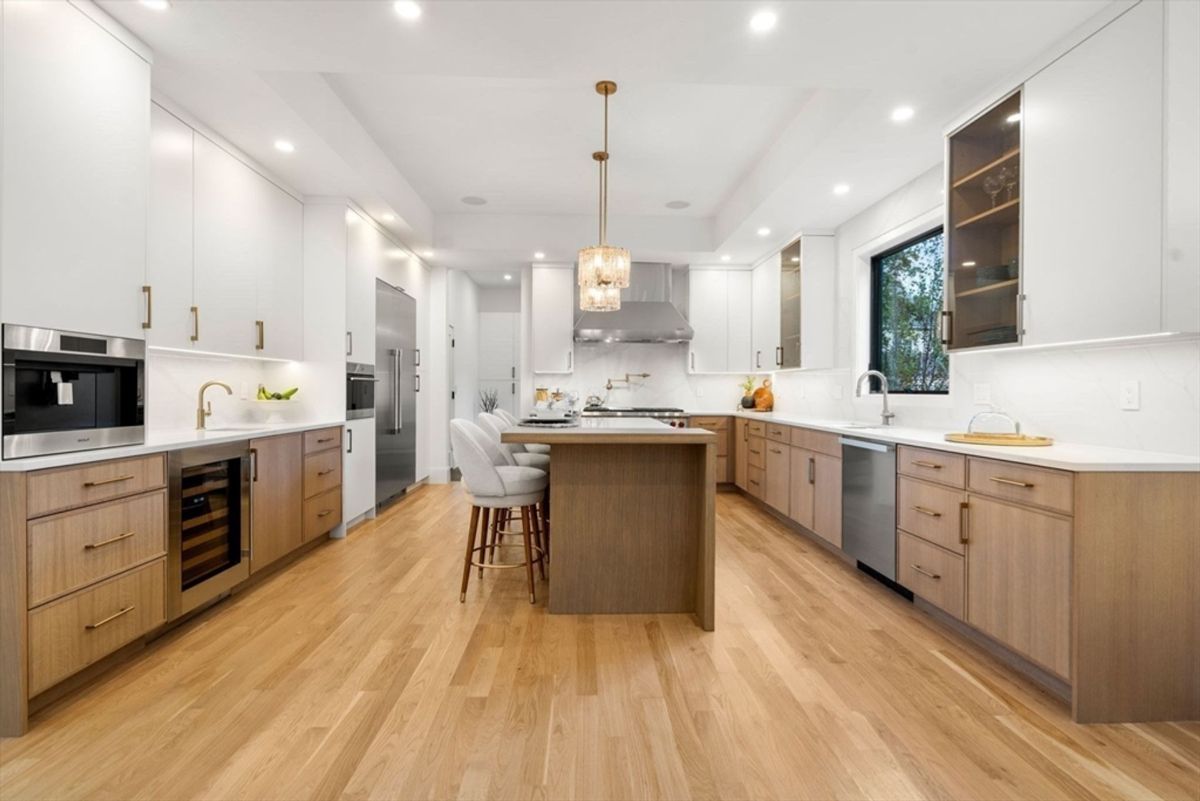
803,487
1019,580
827,498
276,497
553,321
778,475
741,443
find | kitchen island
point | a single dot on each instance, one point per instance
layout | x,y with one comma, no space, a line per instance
632,517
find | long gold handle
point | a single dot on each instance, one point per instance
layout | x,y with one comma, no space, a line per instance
91,546
812,470
325,472
149,293
323,440
925,572
195,337
964,522
103,481
260,326
930,465
1012,482
925,511
109,619
254,464
324,512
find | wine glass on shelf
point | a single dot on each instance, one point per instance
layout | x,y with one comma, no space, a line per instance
993,184
1009,175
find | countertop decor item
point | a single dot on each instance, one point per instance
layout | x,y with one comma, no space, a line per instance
489,399
980,431
764,399
266,395
748,392
603,268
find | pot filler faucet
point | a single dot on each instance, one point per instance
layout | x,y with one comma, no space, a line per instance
886,415
203,410
627,380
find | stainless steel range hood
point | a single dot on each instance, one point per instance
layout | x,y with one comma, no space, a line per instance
648,311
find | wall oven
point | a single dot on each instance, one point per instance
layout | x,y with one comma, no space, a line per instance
360,391
209,548
66,392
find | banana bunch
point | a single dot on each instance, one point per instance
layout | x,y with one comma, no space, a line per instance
265,394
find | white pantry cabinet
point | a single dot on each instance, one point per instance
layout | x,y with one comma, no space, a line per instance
365,249
358,469
818,300
169,268
553,318
1181,259
1092,185
279,288
75,171
499,355
720,312
765,291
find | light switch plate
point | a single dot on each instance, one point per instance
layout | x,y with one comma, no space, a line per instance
983,394
1131,396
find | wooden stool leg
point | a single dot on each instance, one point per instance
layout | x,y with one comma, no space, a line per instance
525,530
483,544
535,518
462,597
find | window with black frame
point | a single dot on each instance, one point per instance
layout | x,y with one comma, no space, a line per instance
906,306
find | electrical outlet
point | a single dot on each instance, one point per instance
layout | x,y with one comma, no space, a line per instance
983,394
1131,396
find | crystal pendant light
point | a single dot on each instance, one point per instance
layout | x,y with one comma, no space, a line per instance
603,268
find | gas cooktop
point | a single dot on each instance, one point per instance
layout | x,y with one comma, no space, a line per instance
633,411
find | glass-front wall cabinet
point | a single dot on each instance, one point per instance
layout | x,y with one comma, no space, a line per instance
983,231
788,355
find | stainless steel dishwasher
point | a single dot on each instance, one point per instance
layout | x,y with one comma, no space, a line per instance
869,504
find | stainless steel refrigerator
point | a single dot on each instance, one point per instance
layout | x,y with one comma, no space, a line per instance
396,360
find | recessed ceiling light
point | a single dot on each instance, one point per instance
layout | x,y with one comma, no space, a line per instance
763,21
473,200
539,255
507,277
968,264
726,257
678,204
902,113
156,5
764,231
284,146
1013,118
386,217
407,9
796,259
841,189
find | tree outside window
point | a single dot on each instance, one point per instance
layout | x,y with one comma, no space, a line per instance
906,307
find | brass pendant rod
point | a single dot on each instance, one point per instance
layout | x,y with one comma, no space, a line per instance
604,179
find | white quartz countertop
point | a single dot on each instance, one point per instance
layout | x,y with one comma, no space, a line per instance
613,430
161,441
1060,455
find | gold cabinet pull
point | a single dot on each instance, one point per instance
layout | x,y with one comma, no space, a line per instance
776,450
149,293
91,546
258,324
1012,482
322,440
925,572
927,512
324,472
755,483
109,619
195,337
756,453
964,521
930,465
812,470
103,481
324,512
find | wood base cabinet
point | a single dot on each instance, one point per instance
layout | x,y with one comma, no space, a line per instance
276,496
741,443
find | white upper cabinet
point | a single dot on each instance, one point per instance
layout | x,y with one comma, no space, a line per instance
364,249
279,290
1092,181
169,232
1181,258
553,319
720,305
766,294
75,172
818,300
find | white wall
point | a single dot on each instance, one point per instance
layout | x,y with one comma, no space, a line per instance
503,299
462,312
1068,393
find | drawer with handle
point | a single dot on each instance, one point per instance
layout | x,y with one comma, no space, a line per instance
322,471
322,513
756,452
932,573
931,512
779,433
1035,486
57,490
322,439
71,633
938,466
756,482
757,428
711,423
75,549
819,441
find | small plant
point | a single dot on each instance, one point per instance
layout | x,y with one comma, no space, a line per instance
748,385
489,399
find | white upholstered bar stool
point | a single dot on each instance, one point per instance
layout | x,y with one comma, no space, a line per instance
516,454
511,419
493,488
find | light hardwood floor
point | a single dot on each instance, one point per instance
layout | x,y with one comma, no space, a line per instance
357,674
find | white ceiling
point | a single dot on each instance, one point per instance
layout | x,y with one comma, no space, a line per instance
494,99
